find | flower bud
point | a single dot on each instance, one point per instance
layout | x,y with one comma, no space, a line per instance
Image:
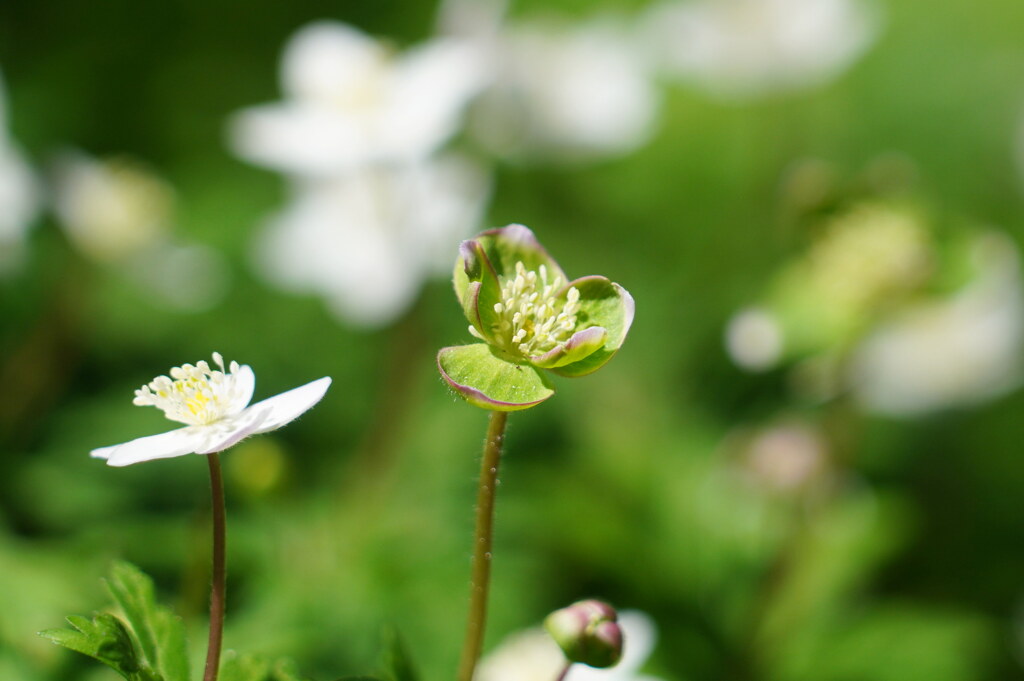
587,632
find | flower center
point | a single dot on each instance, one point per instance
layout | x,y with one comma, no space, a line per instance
196,396
533,320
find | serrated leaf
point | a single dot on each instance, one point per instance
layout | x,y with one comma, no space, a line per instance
398,664
161,634
133,591
106,639
483,378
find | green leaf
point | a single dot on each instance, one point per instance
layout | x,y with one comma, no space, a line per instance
487,379
398,664
106,639
161,634
606,304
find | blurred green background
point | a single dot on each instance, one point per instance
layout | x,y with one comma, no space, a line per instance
902,557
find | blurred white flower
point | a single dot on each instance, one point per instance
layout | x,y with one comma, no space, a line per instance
111,209
786,457
743,48
567,91
473,20
117,212
352,101
366,240
19,196
753,339
214,405
532,655
955,352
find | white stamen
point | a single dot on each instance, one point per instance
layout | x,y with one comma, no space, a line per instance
532,318
197,395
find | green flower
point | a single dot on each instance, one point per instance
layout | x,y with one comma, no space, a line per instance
531,319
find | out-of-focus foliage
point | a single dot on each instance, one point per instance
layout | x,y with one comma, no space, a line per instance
849,511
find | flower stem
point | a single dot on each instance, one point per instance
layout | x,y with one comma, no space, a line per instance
481,571
565,672
217,590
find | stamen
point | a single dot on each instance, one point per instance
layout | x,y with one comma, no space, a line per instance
197,395
532,320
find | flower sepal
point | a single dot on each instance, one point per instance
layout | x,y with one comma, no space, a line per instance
488,378
606,305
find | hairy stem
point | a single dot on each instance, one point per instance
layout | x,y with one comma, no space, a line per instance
481,570
217,590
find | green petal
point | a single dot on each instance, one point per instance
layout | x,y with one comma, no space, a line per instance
484,378
582,344
477,287
506,246
606,304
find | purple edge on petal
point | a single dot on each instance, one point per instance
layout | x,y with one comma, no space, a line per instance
628,304
472,310
577,339
471,251
468,254
472,394
524,237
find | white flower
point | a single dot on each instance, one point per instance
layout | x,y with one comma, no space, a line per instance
579,91
111,209
474,20
786,457
532,655
351,101
954,352
19,196
366,240
118,212
214,405
743,48
753,339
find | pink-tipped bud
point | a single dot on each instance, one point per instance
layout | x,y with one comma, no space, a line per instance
587,632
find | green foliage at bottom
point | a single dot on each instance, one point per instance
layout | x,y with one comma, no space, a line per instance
106,639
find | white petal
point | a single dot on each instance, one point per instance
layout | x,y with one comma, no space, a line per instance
245,383
103,452
306,139
229,432
639,636
278,410
163,446
433,85
327,60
